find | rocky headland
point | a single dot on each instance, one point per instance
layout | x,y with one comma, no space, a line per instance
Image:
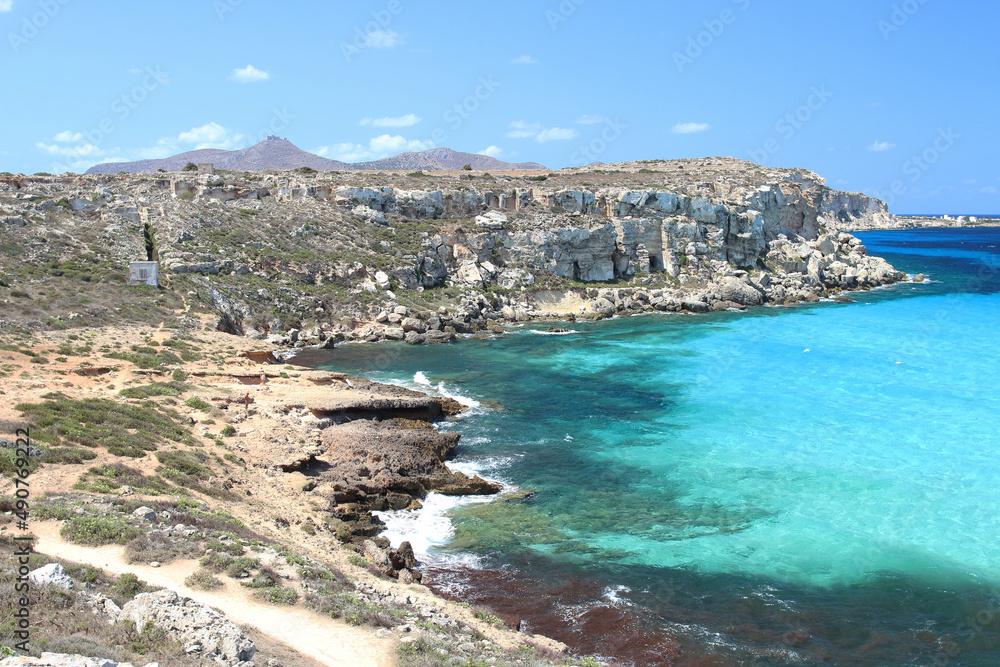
309,257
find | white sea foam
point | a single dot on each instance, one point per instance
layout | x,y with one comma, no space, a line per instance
430,527
464,400
613,595
569,332
421,382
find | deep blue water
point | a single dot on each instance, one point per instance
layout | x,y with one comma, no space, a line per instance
807,485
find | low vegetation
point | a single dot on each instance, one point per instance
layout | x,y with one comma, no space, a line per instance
97,531
124,430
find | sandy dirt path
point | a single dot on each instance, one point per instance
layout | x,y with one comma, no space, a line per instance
328,641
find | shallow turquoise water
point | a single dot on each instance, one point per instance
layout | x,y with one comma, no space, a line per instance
832,470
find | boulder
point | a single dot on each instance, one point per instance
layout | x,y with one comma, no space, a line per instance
493,220
145,513
376,555
695,306
369,215
405,552
193,624
102,605
735,290
54,574
604,307
413,324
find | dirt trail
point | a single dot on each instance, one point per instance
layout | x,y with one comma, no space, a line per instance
330,642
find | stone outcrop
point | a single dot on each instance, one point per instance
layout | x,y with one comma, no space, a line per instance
199,627
376,466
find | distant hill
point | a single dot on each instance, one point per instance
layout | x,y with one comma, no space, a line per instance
437,159
271,153
281,154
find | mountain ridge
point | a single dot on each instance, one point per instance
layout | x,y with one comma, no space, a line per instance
281,154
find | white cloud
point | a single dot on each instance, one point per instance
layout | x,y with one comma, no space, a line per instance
989,190
556,134
400,121
689,128
77,151
522,130
881,146
210,135
67,136
378,147
491,151
73,153
6,5
969,181
383,39
524,60
76,154
588,119
249,74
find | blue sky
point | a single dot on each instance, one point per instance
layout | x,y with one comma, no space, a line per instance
895,99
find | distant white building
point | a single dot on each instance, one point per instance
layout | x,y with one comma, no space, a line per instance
143,273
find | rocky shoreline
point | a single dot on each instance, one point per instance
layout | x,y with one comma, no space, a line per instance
796,272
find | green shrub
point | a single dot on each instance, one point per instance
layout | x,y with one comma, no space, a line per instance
111,477
98,531
150,547
128,586
277,595
154,389
186,196
190,166
242,567
216,562
187,463
489,618
202,579
232,548
179,375
227,431
198,403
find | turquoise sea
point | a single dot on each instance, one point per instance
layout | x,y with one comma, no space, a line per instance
809,485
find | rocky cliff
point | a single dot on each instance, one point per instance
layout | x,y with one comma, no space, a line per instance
372,256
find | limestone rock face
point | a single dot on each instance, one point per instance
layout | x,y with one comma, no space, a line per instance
192,623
